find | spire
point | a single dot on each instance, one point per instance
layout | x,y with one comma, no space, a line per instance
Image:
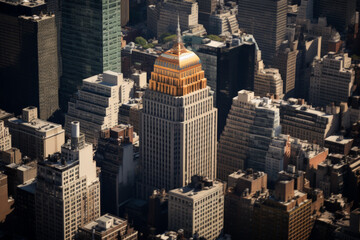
178,47
178,30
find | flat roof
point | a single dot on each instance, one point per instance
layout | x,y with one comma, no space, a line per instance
193,193
104,218
306,109
338,139
215,44
38,124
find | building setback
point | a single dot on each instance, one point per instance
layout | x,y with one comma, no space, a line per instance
188,208
67,190
97,104
178,134
251,123
90,42
224,21
29,63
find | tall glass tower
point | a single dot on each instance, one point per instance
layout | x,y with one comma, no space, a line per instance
90,41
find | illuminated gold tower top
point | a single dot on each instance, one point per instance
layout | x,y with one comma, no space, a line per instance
177,71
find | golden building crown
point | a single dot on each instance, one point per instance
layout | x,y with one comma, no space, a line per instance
177,71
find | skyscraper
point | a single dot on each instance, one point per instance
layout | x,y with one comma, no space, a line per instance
29,64
67,190
269,30
90,42
178,136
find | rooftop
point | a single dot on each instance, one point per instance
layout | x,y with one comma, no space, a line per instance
248,175
196,193
22,167
339,139
38,125
58,162
104,223
305,108
108,78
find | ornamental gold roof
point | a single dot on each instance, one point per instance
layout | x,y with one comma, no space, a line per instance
177,71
